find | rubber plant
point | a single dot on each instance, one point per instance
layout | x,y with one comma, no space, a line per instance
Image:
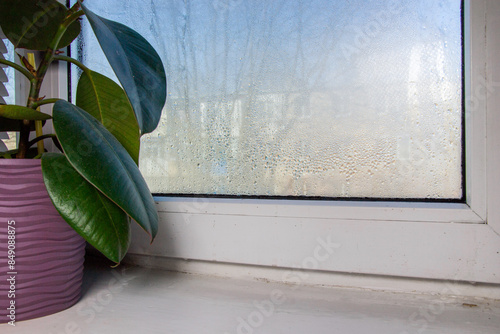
95,182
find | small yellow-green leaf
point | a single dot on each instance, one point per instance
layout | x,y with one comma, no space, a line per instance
19,112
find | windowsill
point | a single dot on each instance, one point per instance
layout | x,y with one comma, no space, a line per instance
131,299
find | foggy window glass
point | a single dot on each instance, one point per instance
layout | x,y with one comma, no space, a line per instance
321,98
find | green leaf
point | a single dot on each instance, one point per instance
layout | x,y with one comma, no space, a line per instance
100,158
19,113
33,24
69,36
137,65
105,100
97,219
8,154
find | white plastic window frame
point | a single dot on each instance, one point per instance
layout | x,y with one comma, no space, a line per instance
405,239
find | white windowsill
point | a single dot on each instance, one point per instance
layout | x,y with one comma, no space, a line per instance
132,299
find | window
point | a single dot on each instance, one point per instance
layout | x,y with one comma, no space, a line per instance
434,240
7,139
335,99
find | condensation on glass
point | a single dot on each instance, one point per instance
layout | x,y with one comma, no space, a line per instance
320,98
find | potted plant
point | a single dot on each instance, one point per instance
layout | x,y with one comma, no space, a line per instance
94,182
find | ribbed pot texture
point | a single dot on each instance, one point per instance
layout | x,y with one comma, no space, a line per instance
46,276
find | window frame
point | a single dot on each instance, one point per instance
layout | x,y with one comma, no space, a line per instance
459,241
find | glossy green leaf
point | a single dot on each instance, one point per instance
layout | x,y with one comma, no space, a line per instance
19,112
33,24
105,100
137,65
100,158
97,219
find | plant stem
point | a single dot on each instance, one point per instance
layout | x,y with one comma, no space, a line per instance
75,14
38,124
36,82
45,101
38,139
18,67
24,136
72,61
39,133
35,85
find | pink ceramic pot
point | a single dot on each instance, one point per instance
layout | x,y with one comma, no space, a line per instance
43,272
